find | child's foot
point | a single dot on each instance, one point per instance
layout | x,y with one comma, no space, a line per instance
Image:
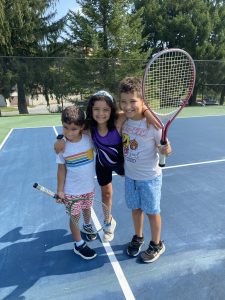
84,251
153,252
135,245
90,235
109,229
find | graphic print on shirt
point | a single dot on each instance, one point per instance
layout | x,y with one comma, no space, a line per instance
79,159
130,148
130,144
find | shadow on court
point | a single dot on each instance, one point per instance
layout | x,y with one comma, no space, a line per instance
23,263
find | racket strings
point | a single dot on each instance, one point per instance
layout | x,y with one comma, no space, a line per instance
168,82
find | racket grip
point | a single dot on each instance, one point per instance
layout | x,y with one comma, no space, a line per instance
162,157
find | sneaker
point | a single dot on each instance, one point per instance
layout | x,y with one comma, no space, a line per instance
109,229
84,251
135,245
153,252
89,231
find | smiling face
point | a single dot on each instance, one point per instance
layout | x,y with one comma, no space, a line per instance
132,105
72,131
101,112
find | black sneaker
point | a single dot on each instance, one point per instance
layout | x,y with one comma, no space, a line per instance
84,251
135,245
153,252
90,235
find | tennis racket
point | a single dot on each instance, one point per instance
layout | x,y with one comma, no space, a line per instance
94,216
167,85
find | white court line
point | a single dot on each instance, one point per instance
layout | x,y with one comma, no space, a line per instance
195,164
6,138
128,294
190,165
114,262
200,116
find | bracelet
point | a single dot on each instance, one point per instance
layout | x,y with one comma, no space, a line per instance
144,111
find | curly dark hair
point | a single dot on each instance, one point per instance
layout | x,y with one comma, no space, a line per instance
73,114
131,85
90,122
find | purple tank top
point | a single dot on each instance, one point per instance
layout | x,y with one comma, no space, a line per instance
109,148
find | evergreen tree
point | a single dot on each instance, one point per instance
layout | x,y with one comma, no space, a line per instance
107,35
196,26
26,30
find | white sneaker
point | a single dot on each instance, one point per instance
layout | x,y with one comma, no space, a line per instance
109,229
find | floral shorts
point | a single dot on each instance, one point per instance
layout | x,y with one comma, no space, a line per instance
144,194
74,204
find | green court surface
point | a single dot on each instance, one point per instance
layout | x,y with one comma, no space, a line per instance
23,121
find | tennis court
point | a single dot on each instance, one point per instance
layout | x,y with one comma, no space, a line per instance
36,257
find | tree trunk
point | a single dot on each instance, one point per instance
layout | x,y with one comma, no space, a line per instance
22,104
222,96
192,100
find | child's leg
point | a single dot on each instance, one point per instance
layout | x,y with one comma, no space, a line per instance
134,247
138,218
80,247
104,177
155,227
74,229
109,222
86,215
156,246
86,206
106,193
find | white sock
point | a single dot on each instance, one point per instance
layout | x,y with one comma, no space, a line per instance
81,242
88,224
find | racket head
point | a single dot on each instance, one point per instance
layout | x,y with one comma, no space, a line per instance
168,82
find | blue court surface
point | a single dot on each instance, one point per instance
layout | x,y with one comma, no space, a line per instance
36,247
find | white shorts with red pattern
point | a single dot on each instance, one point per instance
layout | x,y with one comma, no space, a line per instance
74,204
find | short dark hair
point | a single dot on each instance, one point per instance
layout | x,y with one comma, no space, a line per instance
73,114
90,122
131,85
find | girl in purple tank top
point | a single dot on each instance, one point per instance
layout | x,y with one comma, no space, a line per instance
105,126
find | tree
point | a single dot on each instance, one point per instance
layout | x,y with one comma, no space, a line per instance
196,26
106,36
26,30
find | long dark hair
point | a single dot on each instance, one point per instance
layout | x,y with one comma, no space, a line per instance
90,122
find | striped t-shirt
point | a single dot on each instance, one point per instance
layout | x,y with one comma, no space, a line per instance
79,160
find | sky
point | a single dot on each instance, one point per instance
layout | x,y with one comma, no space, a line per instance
62,7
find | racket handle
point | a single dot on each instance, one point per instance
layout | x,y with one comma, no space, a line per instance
46,191
162,157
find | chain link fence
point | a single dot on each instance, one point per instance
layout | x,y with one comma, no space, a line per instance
53,82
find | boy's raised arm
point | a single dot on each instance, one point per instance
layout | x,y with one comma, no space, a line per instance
150,118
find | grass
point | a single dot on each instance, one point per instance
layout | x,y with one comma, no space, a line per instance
20,121
8,108
7,123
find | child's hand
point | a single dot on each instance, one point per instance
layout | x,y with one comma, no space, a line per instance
165,149
59,146
62,196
